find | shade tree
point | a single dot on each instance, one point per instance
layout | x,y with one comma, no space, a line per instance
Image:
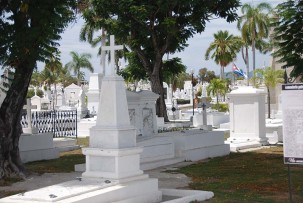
288,36
32,29
152,29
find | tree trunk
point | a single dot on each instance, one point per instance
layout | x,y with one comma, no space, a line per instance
153,71
247,65
10,126
157,87
254,61
222,73
268,101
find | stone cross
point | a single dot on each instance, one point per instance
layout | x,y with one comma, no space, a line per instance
112,48
29,108
205,105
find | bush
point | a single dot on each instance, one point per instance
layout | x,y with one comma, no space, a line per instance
183,101
220,107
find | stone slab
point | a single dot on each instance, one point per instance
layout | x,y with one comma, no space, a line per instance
235,147
156,148
29,142
38,155
185,196
191,139
97,190
65,144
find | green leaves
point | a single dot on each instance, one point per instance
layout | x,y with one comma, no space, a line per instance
79,61
288,36
32,29
224,49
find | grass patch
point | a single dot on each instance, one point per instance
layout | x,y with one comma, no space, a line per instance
259,176
226,135
64,164
83,141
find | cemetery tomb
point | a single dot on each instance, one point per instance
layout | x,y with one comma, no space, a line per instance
247,118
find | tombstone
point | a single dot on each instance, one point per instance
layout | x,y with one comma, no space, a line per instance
188,90
133,100
72,95
176,94
149,118
93,94
82,109
112,153
29,129
36,101
247,118
45,103
200,119
60,98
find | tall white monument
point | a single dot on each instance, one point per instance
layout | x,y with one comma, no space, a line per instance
95,82
247,118
112,152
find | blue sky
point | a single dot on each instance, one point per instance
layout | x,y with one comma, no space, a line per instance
192,56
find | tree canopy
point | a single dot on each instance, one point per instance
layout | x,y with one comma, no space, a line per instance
153,28
288,36
206,75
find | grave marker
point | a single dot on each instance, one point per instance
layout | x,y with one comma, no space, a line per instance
29,107
112,48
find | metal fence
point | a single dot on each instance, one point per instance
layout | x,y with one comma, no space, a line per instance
60,123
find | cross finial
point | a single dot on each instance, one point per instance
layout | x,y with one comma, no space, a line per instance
112,48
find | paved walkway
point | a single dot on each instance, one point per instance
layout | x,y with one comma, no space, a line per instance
166,180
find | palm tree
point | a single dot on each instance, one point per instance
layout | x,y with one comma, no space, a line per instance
87,33
216,87
66,78
78,62
271,78
254,26
224,47
51,74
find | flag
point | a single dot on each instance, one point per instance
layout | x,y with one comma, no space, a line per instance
238,71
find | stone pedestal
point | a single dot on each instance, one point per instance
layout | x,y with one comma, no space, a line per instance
247,118
112,153
113,139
